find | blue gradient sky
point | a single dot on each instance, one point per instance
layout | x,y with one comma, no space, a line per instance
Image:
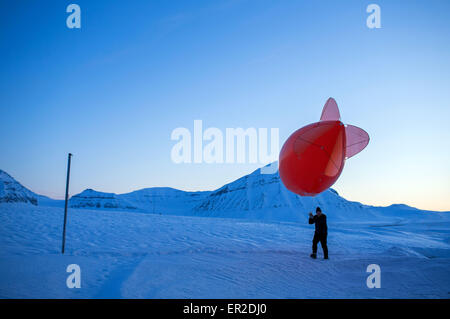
112,92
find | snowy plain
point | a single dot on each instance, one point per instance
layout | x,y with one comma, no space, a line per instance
247,239
139,255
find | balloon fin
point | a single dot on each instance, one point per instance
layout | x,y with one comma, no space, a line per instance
357,140
330,111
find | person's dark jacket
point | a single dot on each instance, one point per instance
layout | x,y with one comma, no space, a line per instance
320,223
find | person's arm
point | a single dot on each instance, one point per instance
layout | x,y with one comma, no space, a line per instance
312,219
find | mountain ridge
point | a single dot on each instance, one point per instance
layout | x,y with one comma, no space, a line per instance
12,191
254,196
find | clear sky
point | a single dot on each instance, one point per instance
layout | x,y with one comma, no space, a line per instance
113,91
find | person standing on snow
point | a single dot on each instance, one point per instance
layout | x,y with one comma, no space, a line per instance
321,233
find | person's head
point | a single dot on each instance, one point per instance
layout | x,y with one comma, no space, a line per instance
318,211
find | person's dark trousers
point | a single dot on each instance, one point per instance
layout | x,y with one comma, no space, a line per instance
323,242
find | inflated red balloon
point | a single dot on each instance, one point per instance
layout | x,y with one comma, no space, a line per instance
312,158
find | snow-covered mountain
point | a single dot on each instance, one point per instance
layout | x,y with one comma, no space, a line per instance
12,191
165,200
255,196
263,196
93,199
161,200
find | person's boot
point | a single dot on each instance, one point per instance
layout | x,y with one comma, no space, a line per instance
325,257
313,256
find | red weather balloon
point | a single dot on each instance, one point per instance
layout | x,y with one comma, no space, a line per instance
313,157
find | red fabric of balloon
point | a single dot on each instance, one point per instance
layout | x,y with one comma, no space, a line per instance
313,157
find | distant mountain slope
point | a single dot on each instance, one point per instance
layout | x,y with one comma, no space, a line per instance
255,196
165,200
93,199
12,191
263,196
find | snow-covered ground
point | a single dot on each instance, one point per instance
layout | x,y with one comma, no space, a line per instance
142,255
247,239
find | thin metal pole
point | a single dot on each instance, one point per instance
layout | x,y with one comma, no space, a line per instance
65,205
